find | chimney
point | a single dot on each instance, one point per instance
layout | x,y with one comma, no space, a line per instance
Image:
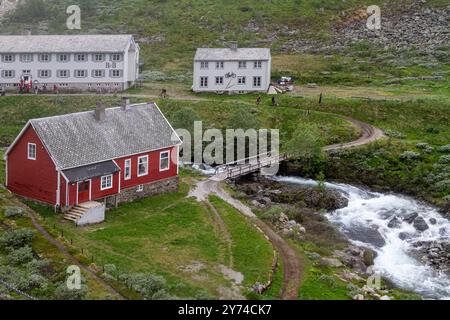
125,103
233,45
100,113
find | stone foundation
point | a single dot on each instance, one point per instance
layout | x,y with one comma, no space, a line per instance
149,189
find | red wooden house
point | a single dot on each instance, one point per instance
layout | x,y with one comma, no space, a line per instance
110,155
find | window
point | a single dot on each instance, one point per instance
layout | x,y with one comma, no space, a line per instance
27,57
63,73
257,81
44,73
203,82
241,80
204,65
127,173
80,57
8,58
257,64
99,57
164,161
116,57
106,182
140,188
116,73
242,64
142,166
7,73
98,73
219,80
81,73
31,151
63,57
219,65
45,57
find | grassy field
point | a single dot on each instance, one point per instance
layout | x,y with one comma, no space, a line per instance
171,236
16,111
21,275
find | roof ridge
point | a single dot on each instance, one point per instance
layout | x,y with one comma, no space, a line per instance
88,111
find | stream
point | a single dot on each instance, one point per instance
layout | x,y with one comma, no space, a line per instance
365,222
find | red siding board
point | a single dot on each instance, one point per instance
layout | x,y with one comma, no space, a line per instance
35,179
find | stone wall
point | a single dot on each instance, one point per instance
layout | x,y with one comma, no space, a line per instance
150,189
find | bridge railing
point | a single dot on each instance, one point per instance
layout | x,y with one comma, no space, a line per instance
246,168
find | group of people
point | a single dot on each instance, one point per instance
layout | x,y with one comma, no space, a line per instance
274,101
44,89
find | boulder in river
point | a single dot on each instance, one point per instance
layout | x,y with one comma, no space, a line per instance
394,223
410,217
420,224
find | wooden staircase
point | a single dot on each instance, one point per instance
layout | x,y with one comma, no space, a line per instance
76,213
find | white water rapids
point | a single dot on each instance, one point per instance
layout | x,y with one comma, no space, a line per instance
365,222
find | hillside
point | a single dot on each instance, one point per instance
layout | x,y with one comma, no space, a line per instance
170,31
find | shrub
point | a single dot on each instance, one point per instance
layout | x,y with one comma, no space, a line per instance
110,269
11,212
395,134
64,293
39,266
328,280
272,214
17,238
147,285
444,159
443,185
20,256
445,148
410,155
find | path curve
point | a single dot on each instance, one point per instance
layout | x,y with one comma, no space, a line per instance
292,266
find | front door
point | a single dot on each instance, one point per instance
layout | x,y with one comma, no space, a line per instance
84,191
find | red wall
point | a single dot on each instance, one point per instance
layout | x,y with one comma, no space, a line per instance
36,179
153,165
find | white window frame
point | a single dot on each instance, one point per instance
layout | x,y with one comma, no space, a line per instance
241,80
8,74
26,57
257,81
204,82
78,76
66,59
47,59
139,165
204,65
8,58
95,75
116,70
219,81
242,64
161,158
30,156
116,57
219,64
47,72
95,57
127,165
59,75
107,186
257,64
78,55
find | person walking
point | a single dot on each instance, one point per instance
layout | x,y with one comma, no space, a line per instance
258,100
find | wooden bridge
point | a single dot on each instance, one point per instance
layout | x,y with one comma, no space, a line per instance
245,166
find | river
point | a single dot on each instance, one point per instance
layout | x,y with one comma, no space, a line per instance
365,222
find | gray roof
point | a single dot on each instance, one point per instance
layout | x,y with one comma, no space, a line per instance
91,171
78,139
229,54
64,43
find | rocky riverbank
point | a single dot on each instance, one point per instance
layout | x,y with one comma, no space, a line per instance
298,213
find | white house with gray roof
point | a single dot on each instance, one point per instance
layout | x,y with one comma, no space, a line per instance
72,62
232,70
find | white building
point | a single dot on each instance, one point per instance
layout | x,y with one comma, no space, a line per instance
232,70
76,62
